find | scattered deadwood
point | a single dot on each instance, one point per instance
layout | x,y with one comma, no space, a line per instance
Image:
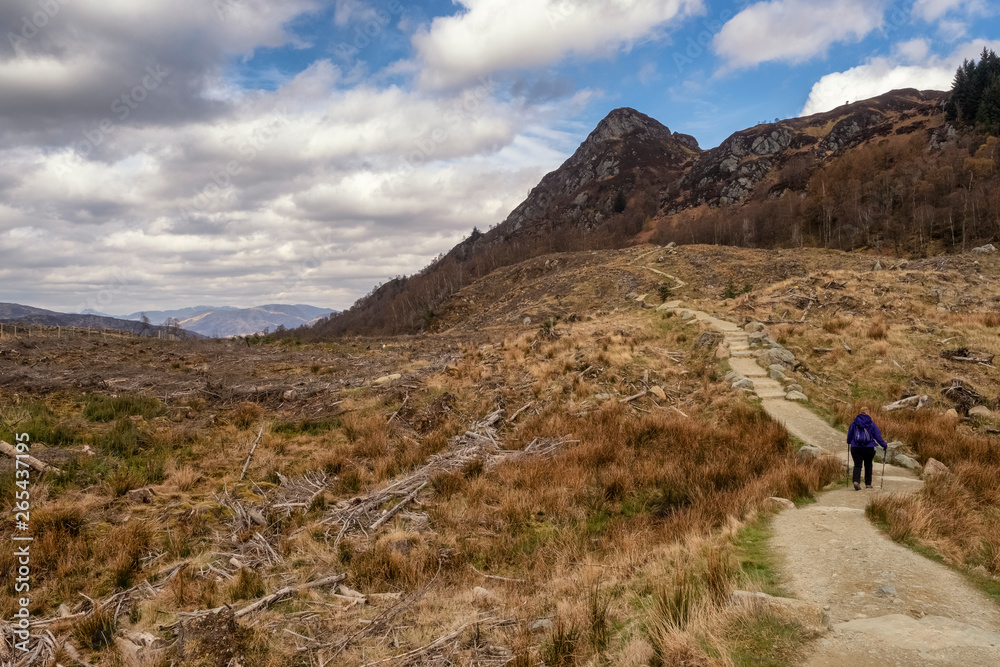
493,576
287,591
915,402
636,396
848,348
263,602
394,414
252,450
822,350
364,513
398,508
963,395
963,354
40,466
528,405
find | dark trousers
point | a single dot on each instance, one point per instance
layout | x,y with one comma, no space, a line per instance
865,455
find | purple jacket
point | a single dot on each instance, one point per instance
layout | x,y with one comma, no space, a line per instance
856,438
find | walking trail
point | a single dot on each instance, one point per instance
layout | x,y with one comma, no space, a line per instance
888,604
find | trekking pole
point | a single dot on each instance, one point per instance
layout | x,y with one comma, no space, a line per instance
848,465
885,455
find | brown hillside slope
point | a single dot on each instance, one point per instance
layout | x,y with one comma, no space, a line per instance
881,173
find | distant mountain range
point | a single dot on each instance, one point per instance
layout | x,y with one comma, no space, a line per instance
16,314
225,321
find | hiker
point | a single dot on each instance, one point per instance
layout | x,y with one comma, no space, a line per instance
863,436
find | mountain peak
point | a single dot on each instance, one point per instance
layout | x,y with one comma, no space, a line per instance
627,122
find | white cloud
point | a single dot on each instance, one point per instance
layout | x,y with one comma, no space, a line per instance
794,30
492,35
932,10
912,66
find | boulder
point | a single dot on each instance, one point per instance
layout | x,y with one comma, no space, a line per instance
542,625
889,453
814,619
794,387
951,413
809,453
777,375
779,503
980,411
289,395
753,327
658,392
743,383
141,495
482,597
730,376
987,249
796,396
386,379
904,461
777,355
889,590
757,338
935,469
708,339
722,352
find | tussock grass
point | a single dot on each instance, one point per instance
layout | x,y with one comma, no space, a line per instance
107,409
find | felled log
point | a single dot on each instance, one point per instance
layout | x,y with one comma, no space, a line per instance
915,402
40,466
963,354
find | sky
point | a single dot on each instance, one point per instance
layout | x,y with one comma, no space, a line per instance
171,153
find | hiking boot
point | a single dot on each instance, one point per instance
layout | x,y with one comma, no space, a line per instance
869,486
857,486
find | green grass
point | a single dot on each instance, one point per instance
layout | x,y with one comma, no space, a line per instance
107,409
763,640
39,422
756,558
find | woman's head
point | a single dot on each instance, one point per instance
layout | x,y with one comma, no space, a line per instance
863,411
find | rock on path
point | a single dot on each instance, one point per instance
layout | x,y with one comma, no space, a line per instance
889,605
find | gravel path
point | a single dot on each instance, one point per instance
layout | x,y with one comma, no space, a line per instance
888,604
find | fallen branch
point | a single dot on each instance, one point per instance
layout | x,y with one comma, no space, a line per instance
252,450
915,402
269,600
530,403
632,398
493,576
40,466
399,506
400,408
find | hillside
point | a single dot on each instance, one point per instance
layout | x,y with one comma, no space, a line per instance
226,321
569,472
13,313
886,174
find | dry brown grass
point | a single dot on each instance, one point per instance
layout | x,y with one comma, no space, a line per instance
878,330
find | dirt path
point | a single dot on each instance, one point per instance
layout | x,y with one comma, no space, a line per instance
889,605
